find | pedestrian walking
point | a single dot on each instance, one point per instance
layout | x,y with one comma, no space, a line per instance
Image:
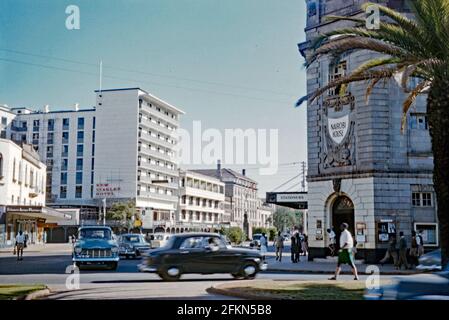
402,252
420,242
293,247
414,249
263,245
25,235
392,252
305,245
345,254
279,246
332,241
20,243
297,251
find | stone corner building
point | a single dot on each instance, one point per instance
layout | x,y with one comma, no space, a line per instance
362,170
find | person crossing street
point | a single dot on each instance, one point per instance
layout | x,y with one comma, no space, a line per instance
345,255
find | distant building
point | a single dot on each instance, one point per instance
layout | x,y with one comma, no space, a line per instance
265,211
241,197
122,149
201,202
22,194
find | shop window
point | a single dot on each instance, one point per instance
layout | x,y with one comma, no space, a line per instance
429,233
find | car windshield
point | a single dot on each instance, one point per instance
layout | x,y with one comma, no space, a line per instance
93,233
257,237
133,239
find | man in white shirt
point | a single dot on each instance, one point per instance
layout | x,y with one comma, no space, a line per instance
346,254
20,243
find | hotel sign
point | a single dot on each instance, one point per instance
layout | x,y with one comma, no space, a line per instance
106,190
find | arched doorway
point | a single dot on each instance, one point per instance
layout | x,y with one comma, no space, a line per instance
342,211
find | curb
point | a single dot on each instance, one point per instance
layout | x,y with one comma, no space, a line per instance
389,273
35,295
230,293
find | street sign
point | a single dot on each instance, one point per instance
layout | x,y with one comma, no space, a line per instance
296,200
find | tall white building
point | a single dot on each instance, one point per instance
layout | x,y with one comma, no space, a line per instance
121,149
201,202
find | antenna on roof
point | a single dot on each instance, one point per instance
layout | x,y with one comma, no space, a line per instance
101,74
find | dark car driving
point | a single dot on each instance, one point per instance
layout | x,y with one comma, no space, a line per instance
203,253
132,245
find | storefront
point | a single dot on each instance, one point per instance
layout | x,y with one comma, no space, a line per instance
33,221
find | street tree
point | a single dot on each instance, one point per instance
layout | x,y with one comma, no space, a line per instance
124,213
416,48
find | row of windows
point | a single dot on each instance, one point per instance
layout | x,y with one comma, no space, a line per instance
200,202
158,122
158,109
202,185
156,135
159,149
196,216
78,192
51,124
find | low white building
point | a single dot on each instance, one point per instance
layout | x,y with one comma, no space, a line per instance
22,194
264,217
201,202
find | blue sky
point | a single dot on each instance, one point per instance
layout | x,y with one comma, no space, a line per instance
228,63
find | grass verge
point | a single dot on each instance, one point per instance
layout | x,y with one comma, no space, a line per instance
11,291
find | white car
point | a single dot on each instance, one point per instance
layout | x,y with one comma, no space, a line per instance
159,240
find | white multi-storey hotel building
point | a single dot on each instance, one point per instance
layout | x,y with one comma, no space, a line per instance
121,149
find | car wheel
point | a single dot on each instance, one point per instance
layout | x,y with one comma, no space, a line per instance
237,276
170,274
249,270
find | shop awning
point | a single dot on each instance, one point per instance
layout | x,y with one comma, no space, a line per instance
38,212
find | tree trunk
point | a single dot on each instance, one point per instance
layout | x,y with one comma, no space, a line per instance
438,118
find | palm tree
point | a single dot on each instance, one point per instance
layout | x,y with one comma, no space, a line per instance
409,48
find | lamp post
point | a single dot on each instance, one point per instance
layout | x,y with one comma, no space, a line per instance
104,211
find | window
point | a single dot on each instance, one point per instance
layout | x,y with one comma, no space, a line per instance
93,136
65,137
93,150
418,121
64,164
336,72
79,178
63,177
80,123
79,164
422,199
4,121
428,232
80,137
35,138
50,136
35,125
63,192
3,134
311,9
92,163
49,151
93,123
78,192
65,124
92,177
1,165
79,150
65,151
51,125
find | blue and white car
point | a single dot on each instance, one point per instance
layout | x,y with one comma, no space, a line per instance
96,246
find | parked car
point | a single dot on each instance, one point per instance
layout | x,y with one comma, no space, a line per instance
430,261
97,246
204,253
159,240
132,245
256,240
433,286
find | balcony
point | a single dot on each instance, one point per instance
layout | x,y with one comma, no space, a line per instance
156,154
147,137
156,127
157,196
149,180
19,129
158,114
153,167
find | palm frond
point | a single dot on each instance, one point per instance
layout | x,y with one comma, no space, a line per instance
409,101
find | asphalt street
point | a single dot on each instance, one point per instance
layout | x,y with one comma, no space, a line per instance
124,283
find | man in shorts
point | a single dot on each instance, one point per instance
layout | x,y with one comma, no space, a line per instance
346,254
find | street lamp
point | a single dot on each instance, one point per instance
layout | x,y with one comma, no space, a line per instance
104,211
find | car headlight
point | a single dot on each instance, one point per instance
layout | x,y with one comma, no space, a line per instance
114,249
78,250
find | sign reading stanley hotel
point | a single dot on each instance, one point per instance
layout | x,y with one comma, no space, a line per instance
105,190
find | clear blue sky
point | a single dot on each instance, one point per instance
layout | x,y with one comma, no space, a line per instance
228,63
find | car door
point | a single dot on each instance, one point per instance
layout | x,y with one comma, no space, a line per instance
191,255
217,257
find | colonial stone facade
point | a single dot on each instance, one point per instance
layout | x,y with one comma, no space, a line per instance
361,169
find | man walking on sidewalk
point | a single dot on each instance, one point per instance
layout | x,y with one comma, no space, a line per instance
392,252
279,246
402,252
20,243
345,255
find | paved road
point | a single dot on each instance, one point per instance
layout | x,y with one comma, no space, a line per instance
125,283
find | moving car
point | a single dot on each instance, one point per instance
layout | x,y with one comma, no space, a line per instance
203,253
159,240
132,245
256,240
434,286
96,246
430,261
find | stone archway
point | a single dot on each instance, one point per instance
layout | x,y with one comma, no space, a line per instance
342,210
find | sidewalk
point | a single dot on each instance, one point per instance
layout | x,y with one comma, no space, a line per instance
42,248
305,266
